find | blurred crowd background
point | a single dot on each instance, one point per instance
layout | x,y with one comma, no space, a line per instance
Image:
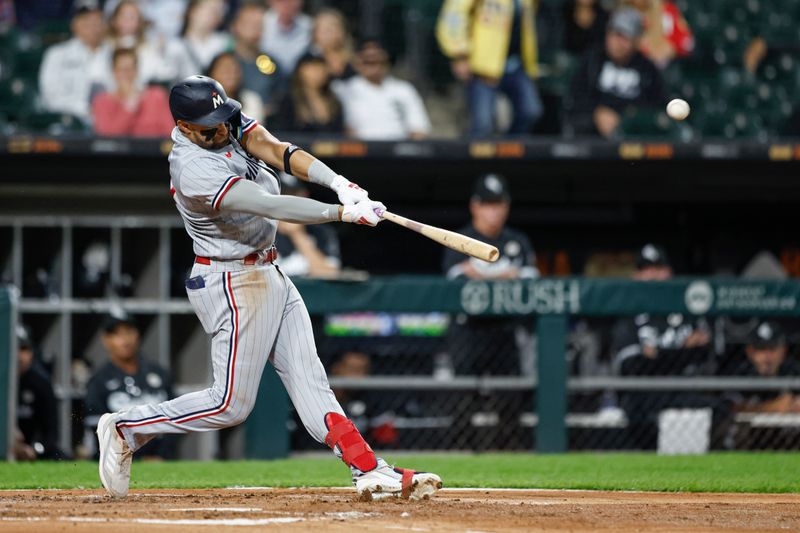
582,71
407,69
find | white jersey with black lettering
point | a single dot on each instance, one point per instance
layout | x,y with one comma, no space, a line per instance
200,180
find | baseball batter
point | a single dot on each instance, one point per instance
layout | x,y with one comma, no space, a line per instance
225,185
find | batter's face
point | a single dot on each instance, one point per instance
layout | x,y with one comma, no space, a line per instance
208,137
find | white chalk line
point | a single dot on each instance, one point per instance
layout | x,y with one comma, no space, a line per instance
195,522
217,509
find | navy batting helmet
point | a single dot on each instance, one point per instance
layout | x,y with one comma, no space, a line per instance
202,100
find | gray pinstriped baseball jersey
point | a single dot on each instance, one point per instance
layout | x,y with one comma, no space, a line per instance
201,178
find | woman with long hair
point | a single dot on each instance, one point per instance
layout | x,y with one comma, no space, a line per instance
310,105
226,69
201,39
160,60
332,42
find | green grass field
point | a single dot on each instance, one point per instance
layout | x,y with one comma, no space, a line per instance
719,472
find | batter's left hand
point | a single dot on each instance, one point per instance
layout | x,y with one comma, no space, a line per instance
367,212
349,193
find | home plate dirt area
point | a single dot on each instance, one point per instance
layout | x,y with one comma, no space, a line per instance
257,509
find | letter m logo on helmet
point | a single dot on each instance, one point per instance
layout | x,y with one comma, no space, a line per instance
201,100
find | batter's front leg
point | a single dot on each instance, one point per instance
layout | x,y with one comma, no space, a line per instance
296,361
240,309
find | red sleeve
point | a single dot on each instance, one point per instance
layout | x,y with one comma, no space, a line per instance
681,36
110,117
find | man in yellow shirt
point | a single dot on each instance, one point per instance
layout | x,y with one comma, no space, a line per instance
492,47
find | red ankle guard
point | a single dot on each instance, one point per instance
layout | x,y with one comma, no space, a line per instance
355,450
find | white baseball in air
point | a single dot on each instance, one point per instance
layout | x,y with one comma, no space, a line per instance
678,109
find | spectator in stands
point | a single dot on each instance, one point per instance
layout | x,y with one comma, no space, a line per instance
226,69
306,250
667,34
767,356
490,345
333,42
127,379
614,80
131,110
378,106
311,106
201,40
166,16
37,409
492,47
260,74
287,32
68,69
650,345
585,24
160,60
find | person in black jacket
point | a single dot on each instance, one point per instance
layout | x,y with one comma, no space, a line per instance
766,357
614,79
585,24
489,345
652,345
127,380
310,106
37,409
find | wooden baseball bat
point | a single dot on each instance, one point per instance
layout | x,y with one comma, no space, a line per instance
451,239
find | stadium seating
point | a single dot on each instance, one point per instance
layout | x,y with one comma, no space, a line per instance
726,101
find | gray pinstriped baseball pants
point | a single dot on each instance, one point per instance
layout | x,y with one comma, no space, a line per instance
254,314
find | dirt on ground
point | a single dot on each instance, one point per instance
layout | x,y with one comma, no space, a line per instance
257,509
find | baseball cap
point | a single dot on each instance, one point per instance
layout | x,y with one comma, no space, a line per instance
627,21
766,335
116,318
84,6
651,255
23,337
491,188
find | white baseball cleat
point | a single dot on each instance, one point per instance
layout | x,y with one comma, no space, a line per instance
386,481
115,457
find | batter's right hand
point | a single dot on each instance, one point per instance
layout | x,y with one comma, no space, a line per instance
364,212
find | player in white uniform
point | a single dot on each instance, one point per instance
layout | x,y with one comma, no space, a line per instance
225,185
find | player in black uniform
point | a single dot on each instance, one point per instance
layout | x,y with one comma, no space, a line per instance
37,410
653,345
480,346
486,345
127,380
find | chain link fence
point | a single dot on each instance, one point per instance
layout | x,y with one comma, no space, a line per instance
668,383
